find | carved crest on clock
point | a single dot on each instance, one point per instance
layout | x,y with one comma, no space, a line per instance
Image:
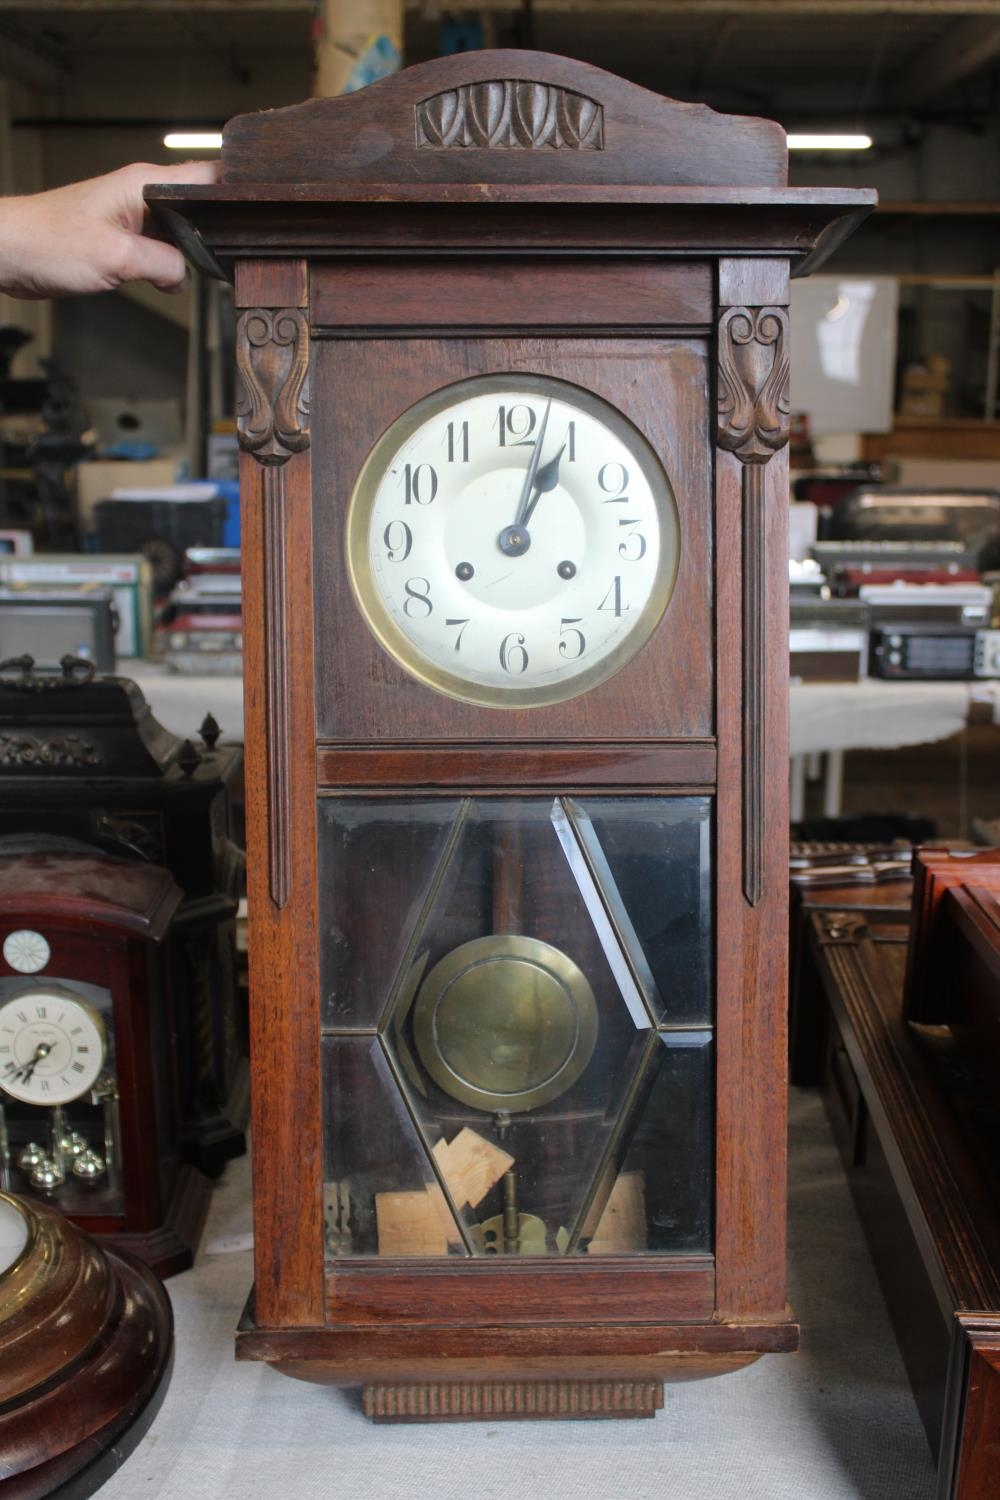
754,399
510,114
272,394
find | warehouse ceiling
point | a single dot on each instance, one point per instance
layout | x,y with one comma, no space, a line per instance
794,59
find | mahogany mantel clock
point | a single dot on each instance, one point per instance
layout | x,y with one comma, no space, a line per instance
513,361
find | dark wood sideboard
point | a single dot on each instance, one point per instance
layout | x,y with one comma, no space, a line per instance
917,1120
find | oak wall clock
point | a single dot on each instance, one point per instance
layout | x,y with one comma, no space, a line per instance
513,374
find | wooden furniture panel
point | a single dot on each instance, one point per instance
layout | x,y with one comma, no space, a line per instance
929,973
679,1289
594,127
926,1187
687,765
560,295
361,694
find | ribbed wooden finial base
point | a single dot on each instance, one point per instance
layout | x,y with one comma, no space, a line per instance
507,1400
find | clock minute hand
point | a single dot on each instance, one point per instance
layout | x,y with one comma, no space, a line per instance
523,505
545,480
23,1073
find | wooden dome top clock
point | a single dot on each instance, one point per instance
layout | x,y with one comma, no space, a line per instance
512,352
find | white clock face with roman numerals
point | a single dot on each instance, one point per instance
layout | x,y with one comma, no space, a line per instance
512,540
52,1046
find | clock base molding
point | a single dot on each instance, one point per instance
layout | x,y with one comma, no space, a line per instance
171,1246
418,1374
512,1400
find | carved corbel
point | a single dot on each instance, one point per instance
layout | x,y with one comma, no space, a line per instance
753,422
272,423
272,391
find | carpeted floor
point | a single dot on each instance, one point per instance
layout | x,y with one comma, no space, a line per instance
834,1422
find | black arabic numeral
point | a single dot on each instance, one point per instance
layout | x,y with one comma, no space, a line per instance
625,546
515,426
398,539
420,483
513,658
462,444
418,599
613,480
566,632
613,599
461,631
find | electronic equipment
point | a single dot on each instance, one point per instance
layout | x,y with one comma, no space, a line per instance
934,651
48,624
828,640
806,580
161,528
203,625
897,513
214,560
851,564
129,577
947,603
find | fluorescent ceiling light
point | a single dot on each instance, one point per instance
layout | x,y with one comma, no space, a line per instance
829,142
193,140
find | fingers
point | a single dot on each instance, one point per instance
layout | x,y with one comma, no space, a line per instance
146,259
200,172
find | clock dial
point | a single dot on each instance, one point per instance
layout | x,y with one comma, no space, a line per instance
52,1046
512,540
26,951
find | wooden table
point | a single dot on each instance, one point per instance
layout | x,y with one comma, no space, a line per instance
917,1129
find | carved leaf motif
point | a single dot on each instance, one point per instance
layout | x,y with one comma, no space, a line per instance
578,116
774,402
534,114
753,408
486,112
438,117
272,403
509,114
253,414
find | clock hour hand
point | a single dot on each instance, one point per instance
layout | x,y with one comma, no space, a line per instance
546,479
524,504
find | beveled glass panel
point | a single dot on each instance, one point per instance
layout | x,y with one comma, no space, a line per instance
377,859
664,1194
381,1195
502,1100
658,854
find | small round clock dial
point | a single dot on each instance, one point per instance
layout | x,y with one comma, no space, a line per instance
52,1046
512,540
26,951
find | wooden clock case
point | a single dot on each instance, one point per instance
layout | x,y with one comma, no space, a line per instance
107,924
513,211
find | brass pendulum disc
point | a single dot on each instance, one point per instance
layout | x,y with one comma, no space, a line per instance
505,1022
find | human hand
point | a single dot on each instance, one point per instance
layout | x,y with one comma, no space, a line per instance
91,236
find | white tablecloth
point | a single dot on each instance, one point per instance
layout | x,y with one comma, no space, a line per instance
870,715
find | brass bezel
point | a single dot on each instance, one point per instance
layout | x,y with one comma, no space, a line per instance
399,645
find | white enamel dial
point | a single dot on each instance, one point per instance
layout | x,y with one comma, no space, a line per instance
52,1046
26,951
513,540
